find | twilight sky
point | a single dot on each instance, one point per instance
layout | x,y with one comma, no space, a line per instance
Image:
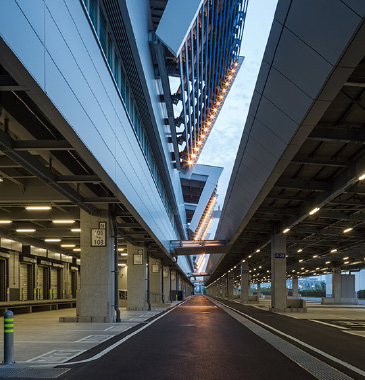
222,145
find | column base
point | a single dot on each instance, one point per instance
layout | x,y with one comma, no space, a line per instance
341,301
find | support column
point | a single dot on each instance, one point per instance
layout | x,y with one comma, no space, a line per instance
230,284
97,280
166,284
137,277
258,291
155,281
295,289
336,284
245,286
278,273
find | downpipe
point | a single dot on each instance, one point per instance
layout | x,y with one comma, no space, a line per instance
116,270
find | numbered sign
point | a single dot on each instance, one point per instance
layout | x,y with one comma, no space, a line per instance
98,237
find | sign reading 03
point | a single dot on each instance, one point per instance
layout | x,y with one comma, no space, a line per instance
98,237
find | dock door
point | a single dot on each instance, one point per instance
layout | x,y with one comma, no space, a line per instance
3,278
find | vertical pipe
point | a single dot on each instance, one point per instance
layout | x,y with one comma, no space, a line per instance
170,284
116,270
162,288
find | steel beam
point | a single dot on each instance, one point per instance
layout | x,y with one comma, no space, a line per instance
35,167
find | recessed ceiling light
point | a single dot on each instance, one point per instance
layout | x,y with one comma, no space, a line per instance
38,208
124,254
333,250
286,230
347,230
77,249
299,250
75,229
257,250
345,258
68,245
5,221
120,249
362,177
315,256
60,221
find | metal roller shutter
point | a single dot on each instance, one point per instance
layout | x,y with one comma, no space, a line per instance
54,283
23,282
40,283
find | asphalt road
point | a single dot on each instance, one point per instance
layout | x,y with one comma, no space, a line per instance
197,340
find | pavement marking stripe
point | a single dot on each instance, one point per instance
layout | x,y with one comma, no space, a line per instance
328,356
329,324
110,348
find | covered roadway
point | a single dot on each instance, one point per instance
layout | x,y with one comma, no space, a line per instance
294,208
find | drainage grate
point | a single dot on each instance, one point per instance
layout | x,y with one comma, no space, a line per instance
10,371
42,373
32,373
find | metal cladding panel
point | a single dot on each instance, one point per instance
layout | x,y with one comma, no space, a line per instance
139,17
287,101
176,22
72,71
20,34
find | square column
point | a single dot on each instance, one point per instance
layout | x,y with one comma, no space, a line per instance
258,291
336,284
295,287
245,286
137,277
278,273
166,284
230,284
97,279
155,281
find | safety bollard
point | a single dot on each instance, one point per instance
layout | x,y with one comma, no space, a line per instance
8,337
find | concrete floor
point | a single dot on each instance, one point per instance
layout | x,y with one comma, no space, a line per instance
38,335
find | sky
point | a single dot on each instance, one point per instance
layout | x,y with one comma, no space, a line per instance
222,144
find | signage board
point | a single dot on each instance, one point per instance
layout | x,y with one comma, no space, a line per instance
98,237
280,255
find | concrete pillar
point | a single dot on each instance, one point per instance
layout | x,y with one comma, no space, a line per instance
278,272
336,284
245,286
155,281
230,284
225,287
295,287
97,280
173,286
258,291
137,276
166,284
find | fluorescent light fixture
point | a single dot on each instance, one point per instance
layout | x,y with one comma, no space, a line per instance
68,245
315,256
362,177
299,250
25,230
124,254
257,250
328,262
61,221
38,208
301,260
314,211
347,230
333,250
5,221
77,249
75,229
347,262
286,230
345,258
120,249
1,180
121,265
51,240
249,256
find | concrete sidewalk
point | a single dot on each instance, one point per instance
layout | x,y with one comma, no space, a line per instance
40,338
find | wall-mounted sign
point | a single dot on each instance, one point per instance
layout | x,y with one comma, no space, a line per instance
280,255
166,273
138,259
98,237
244,271
155,268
